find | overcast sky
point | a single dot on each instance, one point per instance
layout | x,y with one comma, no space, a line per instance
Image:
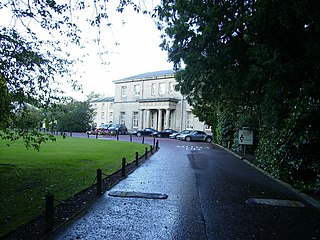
138,52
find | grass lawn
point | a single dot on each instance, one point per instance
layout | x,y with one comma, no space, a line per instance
63,168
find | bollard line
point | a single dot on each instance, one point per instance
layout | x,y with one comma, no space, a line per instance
99,181
49,212
123,170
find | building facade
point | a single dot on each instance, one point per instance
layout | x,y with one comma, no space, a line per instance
150,100
103,110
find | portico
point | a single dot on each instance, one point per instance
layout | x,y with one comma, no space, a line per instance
157,113
151,100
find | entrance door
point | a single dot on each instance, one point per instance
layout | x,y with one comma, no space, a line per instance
153,119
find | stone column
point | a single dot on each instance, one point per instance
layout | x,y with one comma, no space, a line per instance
141,119
173,120
167,118
159,119
147,124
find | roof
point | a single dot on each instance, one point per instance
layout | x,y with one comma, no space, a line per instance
152,75
103,99
159,100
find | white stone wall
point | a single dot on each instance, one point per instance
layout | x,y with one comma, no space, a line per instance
158,105
103,112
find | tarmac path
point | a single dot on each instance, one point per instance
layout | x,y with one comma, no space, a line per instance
211,194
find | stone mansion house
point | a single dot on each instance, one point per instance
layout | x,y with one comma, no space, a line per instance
147,100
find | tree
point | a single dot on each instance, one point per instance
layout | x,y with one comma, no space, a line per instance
211,47
93,95
252,63
74,116
34,51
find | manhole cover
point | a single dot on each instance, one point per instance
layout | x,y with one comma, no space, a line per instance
275,202
138,195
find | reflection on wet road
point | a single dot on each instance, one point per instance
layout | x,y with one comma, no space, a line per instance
206,188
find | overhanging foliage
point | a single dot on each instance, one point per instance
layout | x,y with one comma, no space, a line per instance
254,64
35,42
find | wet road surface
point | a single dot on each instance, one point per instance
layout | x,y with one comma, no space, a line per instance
211,194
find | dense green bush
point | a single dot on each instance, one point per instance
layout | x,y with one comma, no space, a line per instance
289,151
252,64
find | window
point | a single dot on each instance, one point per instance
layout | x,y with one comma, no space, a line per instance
135,119
122,118
102,114
189,123
110,105
171,88
153,120
162,88
136,89
110,115
153,89
123,91
103,105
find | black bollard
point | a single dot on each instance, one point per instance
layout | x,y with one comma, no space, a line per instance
49,214
137,158
157,145
154,141
99,181
96,135
130,137
142,140
88,135
151,148
146,153
123,170
117,134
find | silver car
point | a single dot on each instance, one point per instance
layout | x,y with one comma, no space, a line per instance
195,136
175,135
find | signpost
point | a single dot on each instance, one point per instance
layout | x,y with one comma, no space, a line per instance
245,138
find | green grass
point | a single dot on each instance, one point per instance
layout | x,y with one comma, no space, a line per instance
63,168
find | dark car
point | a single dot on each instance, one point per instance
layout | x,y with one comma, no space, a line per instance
164,133
118,128
195,136
174,135
144,132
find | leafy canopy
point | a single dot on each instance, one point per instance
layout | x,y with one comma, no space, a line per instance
36,39
252,63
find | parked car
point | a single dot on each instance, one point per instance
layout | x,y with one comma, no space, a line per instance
164,133
195,136
118,128
174,135
104,127
144,132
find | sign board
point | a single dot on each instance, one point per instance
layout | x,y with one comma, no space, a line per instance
245,137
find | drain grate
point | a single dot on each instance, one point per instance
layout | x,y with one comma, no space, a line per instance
275,202
138,195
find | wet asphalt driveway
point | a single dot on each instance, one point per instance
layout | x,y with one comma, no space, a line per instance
211,195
